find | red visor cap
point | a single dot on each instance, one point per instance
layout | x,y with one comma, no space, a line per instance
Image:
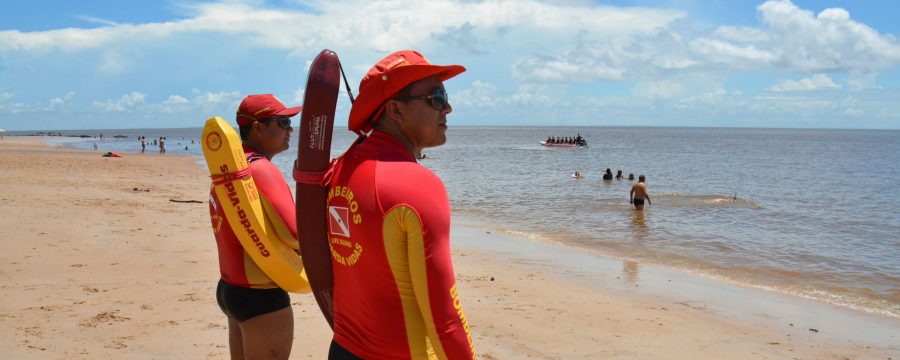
262,106
387,78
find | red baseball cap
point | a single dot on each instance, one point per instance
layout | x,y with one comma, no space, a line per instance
261,106
387,78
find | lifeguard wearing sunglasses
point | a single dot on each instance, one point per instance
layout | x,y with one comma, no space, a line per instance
395,293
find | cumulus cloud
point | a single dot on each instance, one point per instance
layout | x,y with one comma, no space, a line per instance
222,102
816,82
531,57
391,24
176,99
801,40
58,102
125,103
789,39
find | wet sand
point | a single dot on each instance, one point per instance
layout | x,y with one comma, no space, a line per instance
100,263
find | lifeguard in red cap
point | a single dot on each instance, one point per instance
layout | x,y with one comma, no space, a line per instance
260,319
395,293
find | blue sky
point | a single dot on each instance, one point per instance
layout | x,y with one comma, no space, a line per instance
160,64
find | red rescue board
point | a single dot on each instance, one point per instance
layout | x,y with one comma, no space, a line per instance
313,158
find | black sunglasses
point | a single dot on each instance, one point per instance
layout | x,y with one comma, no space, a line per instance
283,122
438,99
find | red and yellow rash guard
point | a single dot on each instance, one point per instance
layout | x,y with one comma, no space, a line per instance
389,231
235,264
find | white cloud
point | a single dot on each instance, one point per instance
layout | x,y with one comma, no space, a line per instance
126,103
58,102
223,103
174,104
741,34
299,94
790,39
390,24
717,51
480,95
525,54
830,40
176,99
96,20
816,82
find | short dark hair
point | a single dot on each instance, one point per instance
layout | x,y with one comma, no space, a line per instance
641,178
245,131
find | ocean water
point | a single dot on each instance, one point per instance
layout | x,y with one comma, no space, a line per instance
817,213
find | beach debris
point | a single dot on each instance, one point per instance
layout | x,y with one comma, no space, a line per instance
139,189
186,201
492,278
106,317
813,330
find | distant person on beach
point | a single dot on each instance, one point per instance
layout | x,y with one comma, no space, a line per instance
143,144
395,294
162,145
95,146
619,175
260,319
577,175
638,194
608,175
630,176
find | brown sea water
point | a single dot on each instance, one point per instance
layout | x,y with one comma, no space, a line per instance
817,212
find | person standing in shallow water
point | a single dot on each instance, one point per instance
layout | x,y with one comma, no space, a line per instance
638,194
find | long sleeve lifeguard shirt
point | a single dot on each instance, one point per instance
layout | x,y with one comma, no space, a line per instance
235,265
389,232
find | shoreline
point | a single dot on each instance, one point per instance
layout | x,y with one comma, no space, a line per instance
627,277
733,280
101,270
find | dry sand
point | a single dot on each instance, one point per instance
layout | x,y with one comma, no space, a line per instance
100,264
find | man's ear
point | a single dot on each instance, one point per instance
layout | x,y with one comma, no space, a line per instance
393,111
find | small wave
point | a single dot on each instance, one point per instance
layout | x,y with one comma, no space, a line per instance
706,200
527,235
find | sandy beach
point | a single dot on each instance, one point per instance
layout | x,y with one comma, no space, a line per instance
103,264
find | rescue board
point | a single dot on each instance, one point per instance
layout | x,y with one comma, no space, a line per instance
239,199
313,160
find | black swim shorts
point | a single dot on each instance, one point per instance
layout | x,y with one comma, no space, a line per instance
337,352
242,303
638,202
